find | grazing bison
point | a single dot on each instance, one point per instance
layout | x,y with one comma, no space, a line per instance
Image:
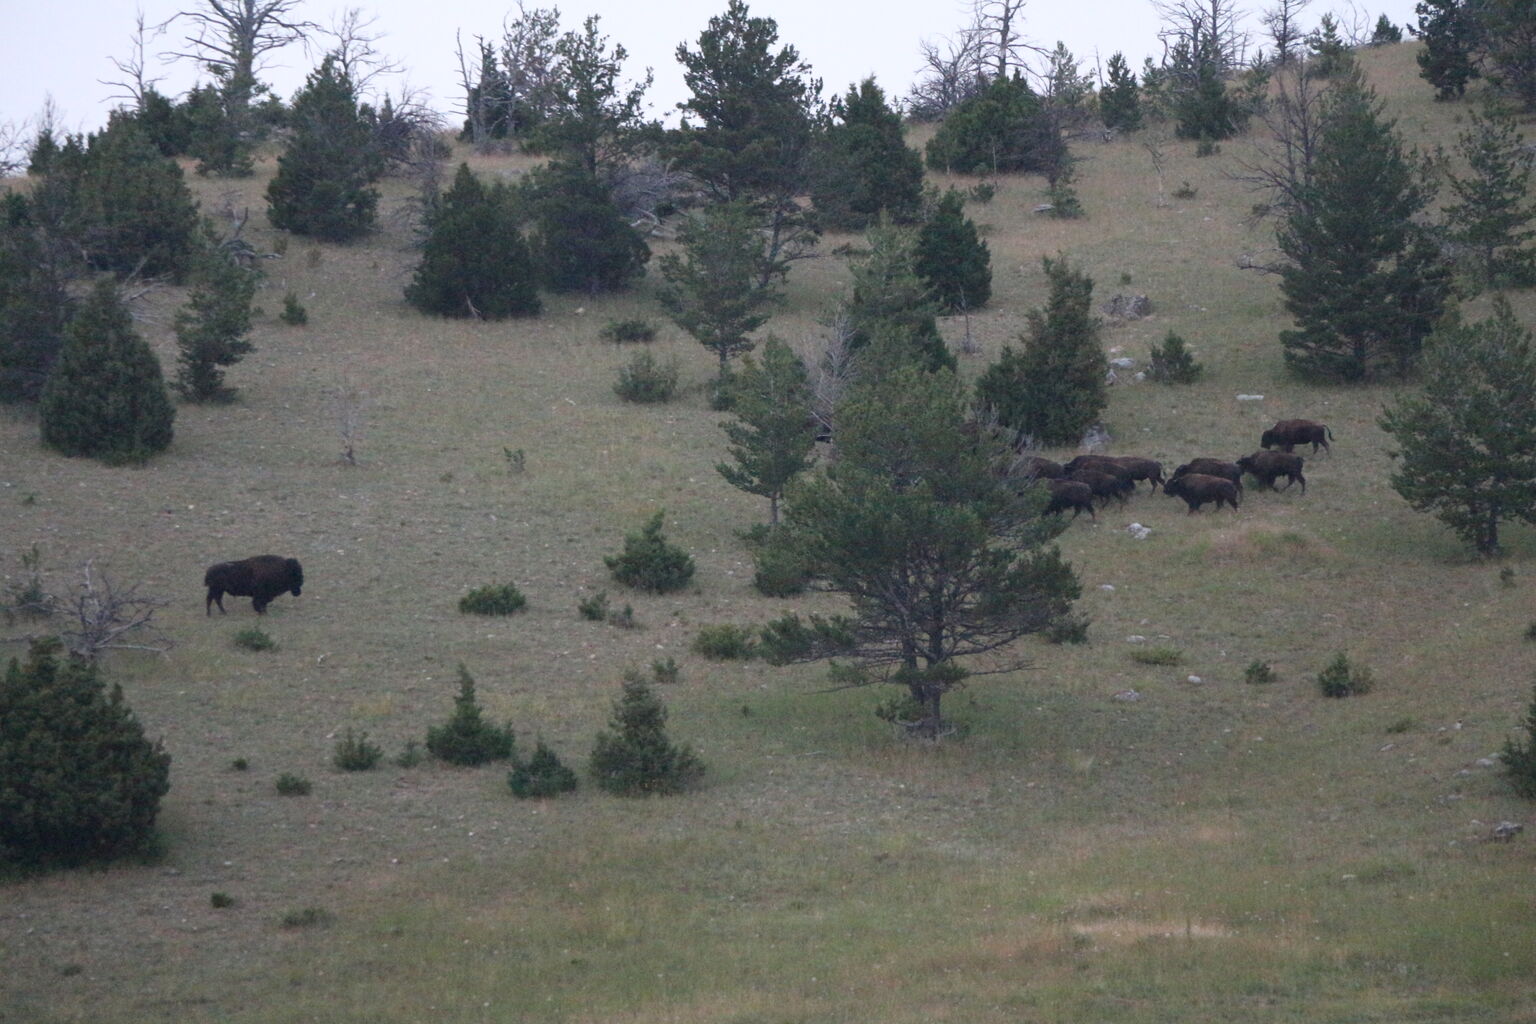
1210,467
1287,434
1267,467
260,578
1070,494
1198,488
1105,484
1041,468
1149,470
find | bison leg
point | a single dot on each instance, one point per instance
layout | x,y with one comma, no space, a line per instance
214,597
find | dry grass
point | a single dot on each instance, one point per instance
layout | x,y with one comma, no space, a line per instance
1211,852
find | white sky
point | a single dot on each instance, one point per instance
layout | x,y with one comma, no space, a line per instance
63,48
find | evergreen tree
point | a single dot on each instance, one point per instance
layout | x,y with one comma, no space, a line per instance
773,435
1053,389
1385,33
891,309
748,127
711,287
1506,34
35,304
1363,282
323,183
78,780
106,397
1202,105
1120,99
1328,54
1450,32
467,738
649,562
1467,442
952,258
941,561
580,241
1493,211
215,137
592,123
863,164
475,262
213,329
541,776
635,757
1003,129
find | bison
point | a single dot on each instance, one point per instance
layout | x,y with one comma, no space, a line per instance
1105,482
1039,467
1266,467
1071,494
1287,434
1210,467
1198,488
260,578
1149,470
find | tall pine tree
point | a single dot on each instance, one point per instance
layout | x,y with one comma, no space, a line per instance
1493,211
891,310
1362,280
106,397
1120,99
863,164
475,262
772,436
712,285
213,329
952,258
323,186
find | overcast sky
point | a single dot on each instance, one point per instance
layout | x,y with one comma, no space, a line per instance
64,48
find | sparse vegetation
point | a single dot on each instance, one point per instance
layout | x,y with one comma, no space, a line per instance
1260,673
1341,678
493,599
1157,655
628,331
355,754
1519,755
293,784
646,380
724,642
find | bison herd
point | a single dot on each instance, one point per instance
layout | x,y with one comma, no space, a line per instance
1088,479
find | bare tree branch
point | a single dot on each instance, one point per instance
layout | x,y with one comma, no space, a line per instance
136,82
107,617
352,42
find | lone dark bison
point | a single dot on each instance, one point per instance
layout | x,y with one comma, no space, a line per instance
1210,467
1070,494
1267,467
1287,434
260,578
1197,488
1149,470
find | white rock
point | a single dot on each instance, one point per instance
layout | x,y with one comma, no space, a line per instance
1108,588
1138,531
1123,363
1128,696
1485,762
1134,639
1194,679
1250,398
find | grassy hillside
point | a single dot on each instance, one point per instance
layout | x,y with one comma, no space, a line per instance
1214,851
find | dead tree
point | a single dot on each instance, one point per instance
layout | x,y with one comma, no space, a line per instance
1292,117
352,47
106,617
1283,23
232,38
136,83
954,68
1001,23
1197,24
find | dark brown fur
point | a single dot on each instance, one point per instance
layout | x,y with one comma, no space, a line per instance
1287,434
1210,467
1105,485
1134,466
1266,467
1197,488
1071,494
260,578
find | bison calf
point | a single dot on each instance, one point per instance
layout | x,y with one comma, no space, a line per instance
260,578
1267,467
1197,488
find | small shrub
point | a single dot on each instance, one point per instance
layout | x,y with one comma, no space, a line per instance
1068,629
355,754
517,461
646,380
28,597
594,608
493,600
1173,363
411,756
1341,679
1507,576
542,776
1065,205
725,642
239,764
635,757
1403,725
902,710
1259,672
780,570
253,638
624,618
622,332
1204,148
466,738
648,562
1157,655
221,901
664,670
293,314
309,917
289,784
1530,631
982,192
1519,757
1185,191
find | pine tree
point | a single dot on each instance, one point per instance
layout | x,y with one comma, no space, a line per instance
78,780
475,262
1363,282
35,304
1054,388
1329,56
773,435
1004,129
1468,440
592,122
711,288
213,329
891,310
1449,30
1120,99
864,166
1493,211
467,738
580,241
940,560
952,258
649,562
323,183
1202,105
106,397
635,757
